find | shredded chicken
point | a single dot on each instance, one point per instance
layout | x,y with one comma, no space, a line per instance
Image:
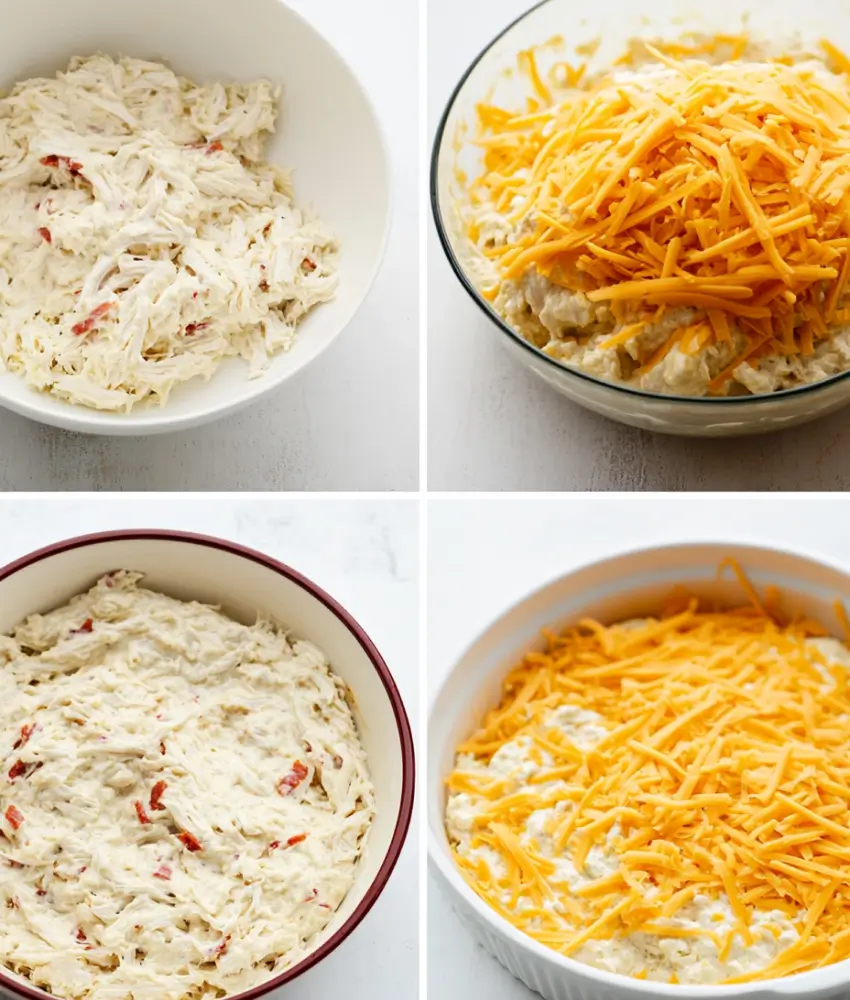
183,799
143,238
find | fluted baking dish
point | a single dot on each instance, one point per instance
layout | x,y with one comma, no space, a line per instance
625,586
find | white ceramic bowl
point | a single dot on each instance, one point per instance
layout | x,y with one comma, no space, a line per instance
624,586
327,132
244,582
616,22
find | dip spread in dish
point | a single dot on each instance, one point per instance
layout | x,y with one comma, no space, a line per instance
678,223
183,799
143,237
668,798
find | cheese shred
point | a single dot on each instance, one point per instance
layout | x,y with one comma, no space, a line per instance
721,187
723,771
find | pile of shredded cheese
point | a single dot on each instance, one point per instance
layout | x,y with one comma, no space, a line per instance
721,772
721,189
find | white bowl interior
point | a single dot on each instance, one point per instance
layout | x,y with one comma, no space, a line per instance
327,132
627,586
243,588
614,23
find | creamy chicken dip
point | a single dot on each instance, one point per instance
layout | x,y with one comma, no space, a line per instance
183,799
143,236
622,879
670,224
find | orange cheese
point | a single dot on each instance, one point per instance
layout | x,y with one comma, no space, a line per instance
726,767
720,187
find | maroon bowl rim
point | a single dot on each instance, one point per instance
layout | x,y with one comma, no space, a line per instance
404,731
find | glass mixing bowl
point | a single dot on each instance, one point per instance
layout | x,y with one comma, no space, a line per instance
616,22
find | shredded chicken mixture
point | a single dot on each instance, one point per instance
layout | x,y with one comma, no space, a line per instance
183,799
143,237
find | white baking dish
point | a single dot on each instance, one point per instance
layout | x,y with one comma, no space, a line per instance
624,586
245,583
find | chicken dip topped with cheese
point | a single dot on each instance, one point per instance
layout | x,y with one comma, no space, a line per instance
183,800
143,236
668,798
678,223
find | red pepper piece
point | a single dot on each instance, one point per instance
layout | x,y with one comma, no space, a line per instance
17,770
90,322
14,817
87,626
308,264
45,234
26,732
214,147
288,784
156,794
273,846
189,842
296,840
163,872
221,947
81,934
54,161
144,819
312,896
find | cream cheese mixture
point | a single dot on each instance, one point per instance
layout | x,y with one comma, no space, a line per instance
183,799
692,958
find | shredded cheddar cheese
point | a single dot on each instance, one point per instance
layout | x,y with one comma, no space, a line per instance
718,188
718,769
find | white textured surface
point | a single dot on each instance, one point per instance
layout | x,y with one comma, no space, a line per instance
365,554
350,422
494,426
483,557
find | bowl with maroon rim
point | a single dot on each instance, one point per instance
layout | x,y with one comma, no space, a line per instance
244,583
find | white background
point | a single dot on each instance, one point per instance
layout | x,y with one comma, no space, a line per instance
494,426
365,554
484,556
350,421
